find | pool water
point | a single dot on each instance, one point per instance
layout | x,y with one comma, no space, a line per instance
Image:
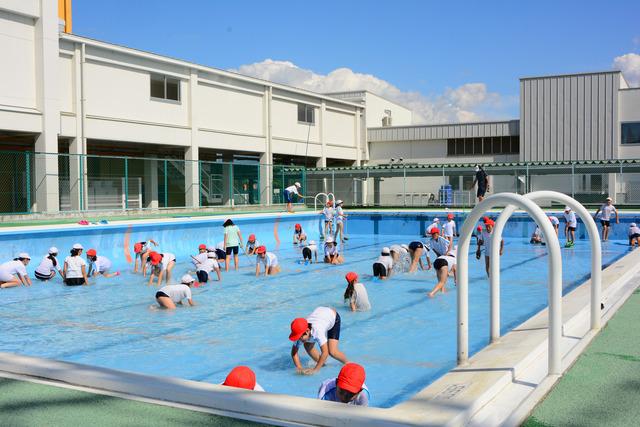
405,342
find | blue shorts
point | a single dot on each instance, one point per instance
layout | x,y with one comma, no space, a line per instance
288,197
334,332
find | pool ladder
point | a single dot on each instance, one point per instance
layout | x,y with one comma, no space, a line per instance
528,203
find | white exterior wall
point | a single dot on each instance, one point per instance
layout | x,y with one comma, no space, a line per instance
426,152
376,106
18,72
629,111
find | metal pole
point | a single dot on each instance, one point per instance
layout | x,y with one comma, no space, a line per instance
199,183
404,186
81,189
28,178
573,180
333,182
231,191
166,186
126,183
259,182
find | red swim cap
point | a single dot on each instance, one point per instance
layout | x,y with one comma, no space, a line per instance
479,229
490,222
202,246
137,248
351,276
92,252
261,249
450,216
252,237
298,226
155,258
298,327
435,230
351,378
241,377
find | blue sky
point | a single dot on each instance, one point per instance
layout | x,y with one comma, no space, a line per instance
427,51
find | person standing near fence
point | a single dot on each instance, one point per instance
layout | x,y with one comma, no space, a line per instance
482,179
289,193
607,210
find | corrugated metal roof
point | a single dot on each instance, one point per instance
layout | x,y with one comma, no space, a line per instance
444,131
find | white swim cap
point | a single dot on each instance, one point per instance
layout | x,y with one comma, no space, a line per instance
338,202
567,208
386,251
24,255
329,239
53,250
609,199
477,168
212,255
211,249
633,224
312,242
77,246
186,279
436,220
297,184
404,246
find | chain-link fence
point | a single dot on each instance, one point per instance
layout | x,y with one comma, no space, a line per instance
37,182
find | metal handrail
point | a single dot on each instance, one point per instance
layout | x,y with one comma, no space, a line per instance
596,256
328,196
554,274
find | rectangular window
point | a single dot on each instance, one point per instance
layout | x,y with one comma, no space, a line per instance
306,113
630,133
515,144
451,147
486,144
459,147
477,145
163,87
468,146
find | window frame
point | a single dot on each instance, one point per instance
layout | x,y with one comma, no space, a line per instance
635,122
307,108
166,80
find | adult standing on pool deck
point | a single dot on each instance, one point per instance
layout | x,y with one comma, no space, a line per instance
48,266
14,273
443,265
356,294
571,224
232,240
170,295
482,179
348,387
322,326
289,193
607,209
75,268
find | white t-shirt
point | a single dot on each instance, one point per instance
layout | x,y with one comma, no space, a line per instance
177,292
330,250
208,265
606,211
486,242
166,259
398,249
536,232
449,228
328,391
270,260
200,259
10,268
292,189
328,213
299,233
74,266
387,261
312,248
46,266
338,214
360,297
451,260
322,319
433,225
571,219
102,264
634,230
220,245
438,246
252,246
554,221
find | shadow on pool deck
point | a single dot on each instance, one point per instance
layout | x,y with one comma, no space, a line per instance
27,404
603,387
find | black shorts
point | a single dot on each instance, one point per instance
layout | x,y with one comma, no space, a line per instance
481,191
334,332
634,236
605,222
43,277
415,245
306,253
232,249
222,255
74,281
439,263
161,294
572,229
379,270
203,276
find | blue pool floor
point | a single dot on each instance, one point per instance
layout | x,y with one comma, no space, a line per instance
405,342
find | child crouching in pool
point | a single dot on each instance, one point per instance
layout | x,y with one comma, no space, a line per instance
99,264
331,252
348,387
270,261
142,251
356,294
161,266
170,295
252,244
309,252
634,235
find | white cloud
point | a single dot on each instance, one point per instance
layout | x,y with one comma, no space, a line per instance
629,64
466,103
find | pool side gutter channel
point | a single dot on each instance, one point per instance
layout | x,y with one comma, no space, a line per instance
499,386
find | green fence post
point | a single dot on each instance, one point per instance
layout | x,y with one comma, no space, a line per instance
199,184
126,183
28,177
304,183
231,192
166,187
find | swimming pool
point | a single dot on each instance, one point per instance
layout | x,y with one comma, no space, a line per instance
405,342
